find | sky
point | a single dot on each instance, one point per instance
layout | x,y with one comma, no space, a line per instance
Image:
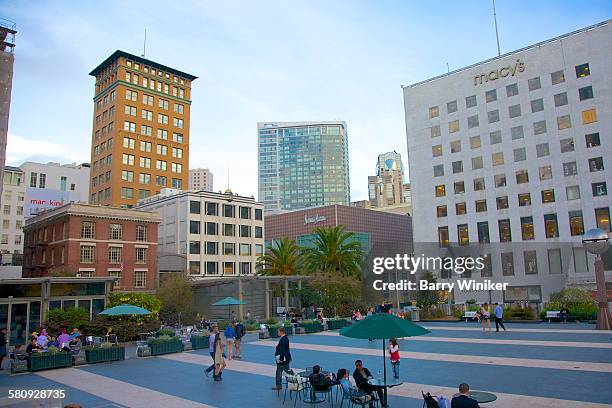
260,61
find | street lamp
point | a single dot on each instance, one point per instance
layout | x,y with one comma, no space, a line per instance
595,241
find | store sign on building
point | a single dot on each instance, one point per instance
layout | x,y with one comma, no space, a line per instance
509,70
314,219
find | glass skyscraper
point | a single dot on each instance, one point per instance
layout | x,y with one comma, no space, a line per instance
302,164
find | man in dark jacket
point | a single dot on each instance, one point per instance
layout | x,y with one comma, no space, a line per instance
463,400
362,375
283,357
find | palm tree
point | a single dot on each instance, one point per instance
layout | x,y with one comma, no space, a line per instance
283,258
334,250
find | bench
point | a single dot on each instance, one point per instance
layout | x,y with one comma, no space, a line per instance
468,315
553,314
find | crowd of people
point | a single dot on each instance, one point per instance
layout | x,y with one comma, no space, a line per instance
224,345
40,342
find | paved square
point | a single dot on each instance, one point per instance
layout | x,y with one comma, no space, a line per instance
531,365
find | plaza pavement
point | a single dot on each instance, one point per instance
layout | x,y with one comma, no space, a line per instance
531,365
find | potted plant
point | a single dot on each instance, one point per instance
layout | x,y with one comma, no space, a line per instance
53,358
165,344
106,352
199,340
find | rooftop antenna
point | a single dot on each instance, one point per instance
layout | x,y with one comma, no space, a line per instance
144,46
447,68
496,32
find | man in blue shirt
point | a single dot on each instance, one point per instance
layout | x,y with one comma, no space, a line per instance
211,347
499,314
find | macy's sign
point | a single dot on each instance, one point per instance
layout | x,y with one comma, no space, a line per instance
510,70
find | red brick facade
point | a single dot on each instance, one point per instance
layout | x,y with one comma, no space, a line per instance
77,240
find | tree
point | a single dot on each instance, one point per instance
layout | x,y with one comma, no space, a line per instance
144,300
334,251
176,295
284,258
332,292
426,298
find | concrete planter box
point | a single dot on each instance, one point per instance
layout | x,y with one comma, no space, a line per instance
199,342
165,347
336,324
101,355
143,351
300,330
46,361
312,327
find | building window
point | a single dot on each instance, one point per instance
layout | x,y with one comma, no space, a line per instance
531,262
434,112
127,176
194,247
570,169
441,211
493,116
592,140
211,228
435,131
542,150
245,231
479,184
228,211
258,214
582,70
194,267
229,248
581,264
140,279
599,189
451,107
141,233
551,227
548,196
453,126
576,223
114,254
507,263
585,93
438,170
502,202
537,105
211,268
481,205
495,137
212,248
539,127
245,268
514,111
212,208
497,159
524,199
194,207
228,268
602,218
477,163
596,164
460,208
557,77
455,146
520,154
475,142
463,235
457,167
194,227
245,213
141,255
87,254
567,145
228,230
443,238
561,99
117,275
512,90
554,262
545,172
258,232
127,193
572,192
472,121
88,230
491,96
505,235
116,231
527,228
589,116
499,180
483,232
470,101
245,249
436,150
534,83
440,190
564,122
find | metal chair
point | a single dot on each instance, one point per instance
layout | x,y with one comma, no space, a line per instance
429,401
294,384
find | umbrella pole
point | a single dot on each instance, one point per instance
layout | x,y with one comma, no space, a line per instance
384,403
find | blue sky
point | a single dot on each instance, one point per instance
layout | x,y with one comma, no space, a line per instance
260,61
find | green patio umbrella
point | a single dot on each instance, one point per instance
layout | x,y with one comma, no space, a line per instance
125,309
383,326
229,302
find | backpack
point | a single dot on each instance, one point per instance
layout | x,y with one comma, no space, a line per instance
239,330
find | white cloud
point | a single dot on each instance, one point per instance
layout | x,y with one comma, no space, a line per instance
20,149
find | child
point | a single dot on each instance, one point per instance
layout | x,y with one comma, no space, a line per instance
395,357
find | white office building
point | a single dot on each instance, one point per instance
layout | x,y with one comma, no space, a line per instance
516,151
11,218
208,234
200,179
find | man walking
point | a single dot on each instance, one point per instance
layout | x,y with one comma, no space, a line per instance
283,358
499,314
211,347
239,329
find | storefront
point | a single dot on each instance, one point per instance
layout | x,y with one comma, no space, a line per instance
25,302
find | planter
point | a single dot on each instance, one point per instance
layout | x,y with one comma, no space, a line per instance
336,324
273,331
199,342
311,327
46,361
100,355
166,347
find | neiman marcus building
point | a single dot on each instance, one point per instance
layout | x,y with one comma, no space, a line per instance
517,150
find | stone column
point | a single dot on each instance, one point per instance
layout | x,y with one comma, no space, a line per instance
286,295
267,299
240,307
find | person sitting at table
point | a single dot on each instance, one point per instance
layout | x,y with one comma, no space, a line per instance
33,347
74,333
42,338
362,375
75,345
319,381
564,314
463,400
53,342
64,340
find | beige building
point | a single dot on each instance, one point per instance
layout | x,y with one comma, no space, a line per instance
387,188
12,216
200,179
140,138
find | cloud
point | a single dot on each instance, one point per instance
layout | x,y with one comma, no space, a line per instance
20,149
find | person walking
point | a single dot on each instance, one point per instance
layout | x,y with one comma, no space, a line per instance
283,358
239,329
211,347
485,312
219,360
2,346
499,314
394,357
230,336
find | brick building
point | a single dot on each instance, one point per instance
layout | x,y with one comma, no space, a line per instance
92,241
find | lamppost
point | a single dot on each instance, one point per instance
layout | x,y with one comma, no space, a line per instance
595,241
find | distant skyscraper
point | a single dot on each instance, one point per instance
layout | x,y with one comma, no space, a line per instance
7,58
200,179
386,187
303,164
140,140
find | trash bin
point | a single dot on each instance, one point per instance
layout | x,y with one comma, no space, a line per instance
414,315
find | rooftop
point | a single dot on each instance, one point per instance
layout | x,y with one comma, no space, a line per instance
272,125
174,194
122,54
94,211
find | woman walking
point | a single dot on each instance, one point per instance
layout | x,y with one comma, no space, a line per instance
394,357
486,316
219,360
230,335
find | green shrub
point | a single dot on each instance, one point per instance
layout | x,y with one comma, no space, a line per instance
59,319
52,350
517,313
106,345
164,332
163,338
579,302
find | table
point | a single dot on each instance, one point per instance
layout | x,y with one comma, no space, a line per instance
381,383
480,396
